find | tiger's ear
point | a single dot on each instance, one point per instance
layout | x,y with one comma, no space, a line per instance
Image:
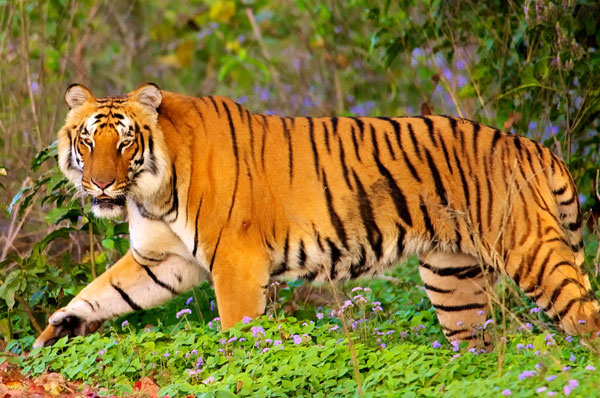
149,95
78,94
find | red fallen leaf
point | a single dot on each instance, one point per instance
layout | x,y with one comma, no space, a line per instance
148,386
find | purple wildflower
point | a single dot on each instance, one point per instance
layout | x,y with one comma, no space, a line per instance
297,339
319,315
256,330
125,323
566,368
189,300
436,345
506,392
167,355
455,345
572,358
246,320
383,345
480,313
182,312
581,321
103,351
526,373
277,342
534,310
486,323
541,390
209,380
590,367
569,339
550,378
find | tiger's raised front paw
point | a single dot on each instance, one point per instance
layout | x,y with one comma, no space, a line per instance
61,324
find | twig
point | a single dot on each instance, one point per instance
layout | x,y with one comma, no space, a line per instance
27,310
92,255
25,49
265,52
347,333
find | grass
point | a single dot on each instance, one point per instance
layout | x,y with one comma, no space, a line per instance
400,351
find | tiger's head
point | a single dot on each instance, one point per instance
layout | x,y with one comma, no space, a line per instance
111,147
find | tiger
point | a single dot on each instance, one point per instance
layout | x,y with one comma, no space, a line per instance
209,186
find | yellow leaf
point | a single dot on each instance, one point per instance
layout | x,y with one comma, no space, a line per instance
222,11
2,171
184,53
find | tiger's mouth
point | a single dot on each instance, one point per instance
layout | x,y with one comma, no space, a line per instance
104,201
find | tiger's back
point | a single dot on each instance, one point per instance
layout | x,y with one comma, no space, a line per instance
252,197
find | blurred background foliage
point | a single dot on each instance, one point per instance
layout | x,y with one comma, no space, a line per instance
531,67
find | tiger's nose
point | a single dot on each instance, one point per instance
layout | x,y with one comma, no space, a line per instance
102,184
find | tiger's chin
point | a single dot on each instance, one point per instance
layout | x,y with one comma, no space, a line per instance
105,207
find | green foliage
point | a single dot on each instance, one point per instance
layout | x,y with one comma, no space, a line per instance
275,356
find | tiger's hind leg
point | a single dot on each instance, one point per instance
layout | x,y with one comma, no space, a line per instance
549,270
457,285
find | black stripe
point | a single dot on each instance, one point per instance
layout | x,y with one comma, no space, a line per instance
355,142
413,138
368,218
301,255
215,105
517,143
335,219
497,136
445,150
456,308
361,127
374,141
311,132
558,290
589,296
236,155
158,281
196,229
437,289
559,191
396,194
126,297
288,138
343,163
476,128
395,126
335,254
326,135
212,260
358,268
568,201
454,332
400,240
140,255
429,124
389,145
410,166
90,304
466,272
439,186
427,219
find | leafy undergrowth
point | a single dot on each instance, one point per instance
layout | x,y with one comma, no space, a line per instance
398,343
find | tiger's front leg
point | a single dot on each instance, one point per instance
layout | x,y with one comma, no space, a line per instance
127,286
240,279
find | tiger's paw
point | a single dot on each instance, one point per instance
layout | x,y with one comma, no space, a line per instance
61,324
